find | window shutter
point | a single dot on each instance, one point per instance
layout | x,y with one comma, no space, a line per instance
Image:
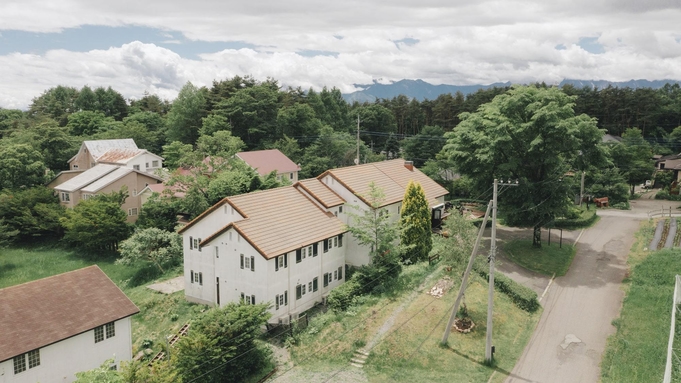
252,263
191,276
315,249
191,243
242,261
326,246
286,260
252,299
298,256
286,298
326,279
276,302
299,293
276,264
315,284
201,279
199,240
340,272
340,240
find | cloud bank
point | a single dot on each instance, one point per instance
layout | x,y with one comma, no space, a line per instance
315,44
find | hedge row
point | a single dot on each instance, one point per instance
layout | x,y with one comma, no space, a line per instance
577,223
521,296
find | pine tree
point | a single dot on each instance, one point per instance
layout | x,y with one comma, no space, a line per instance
415,236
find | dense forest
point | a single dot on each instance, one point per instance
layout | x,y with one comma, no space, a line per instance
316,129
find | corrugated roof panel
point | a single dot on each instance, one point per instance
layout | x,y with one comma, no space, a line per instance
99,147
107,179
87,177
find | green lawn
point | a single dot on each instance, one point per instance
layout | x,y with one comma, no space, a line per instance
410,351
160,315
638,350
545,260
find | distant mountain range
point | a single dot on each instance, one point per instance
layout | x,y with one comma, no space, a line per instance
422,90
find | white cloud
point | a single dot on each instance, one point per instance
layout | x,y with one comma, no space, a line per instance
460,42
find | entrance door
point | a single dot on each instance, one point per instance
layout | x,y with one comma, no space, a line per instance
217,290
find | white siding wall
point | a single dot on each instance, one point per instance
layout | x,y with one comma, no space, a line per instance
143,160
205,261
60,361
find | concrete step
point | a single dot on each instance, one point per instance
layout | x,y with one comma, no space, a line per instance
361,356
356,365
358,361
362,352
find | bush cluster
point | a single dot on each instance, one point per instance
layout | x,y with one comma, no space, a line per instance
340,298
521,296
664,194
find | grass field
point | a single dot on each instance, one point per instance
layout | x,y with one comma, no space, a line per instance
409,349
545,260
160,315
637,351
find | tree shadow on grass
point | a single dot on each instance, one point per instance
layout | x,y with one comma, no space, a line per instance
6,269
146,272
482,363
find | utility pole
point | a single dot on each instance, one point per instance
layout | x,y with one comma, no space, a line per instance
492,256
464,281
581,190
357,159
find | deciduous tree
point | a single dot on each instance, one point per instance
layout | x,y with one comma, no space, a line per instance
153,245
528,134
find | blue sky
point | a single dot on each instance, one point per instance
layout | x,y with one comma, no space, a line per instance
158,46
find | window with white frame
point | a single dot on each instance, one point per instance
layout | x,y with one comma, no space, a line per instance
290,176
110,330
146,165
65,197
132,211
136,167
335,241
87,196
309,286
33,358
281,300
247,263
20,363
75,166
154,163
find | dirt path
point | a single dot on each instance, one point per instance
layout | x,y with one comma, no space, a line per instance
570,337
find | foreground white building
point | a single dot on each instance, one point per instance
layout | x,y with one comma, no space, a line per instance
289,246
60,325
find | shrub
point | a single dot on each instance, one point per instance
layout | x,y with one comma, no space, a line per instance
340,298
664,194
521,296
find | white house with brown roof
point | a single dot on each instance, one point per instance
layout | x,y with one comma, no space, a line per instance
267,161
60,325
289,245
105,178
269,246
392,177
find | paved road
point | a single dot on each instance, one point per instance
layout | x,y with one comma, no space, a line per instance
570,337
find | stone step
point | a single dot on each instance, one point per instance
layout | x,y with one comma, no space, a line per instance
358,361
356,365
362,352
361,356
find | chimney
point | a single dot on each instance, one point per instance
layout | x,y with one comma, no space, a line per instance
409,165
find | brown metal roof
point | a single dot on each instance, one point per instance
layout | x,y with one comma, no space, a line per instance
280,220
391,176
119,156
265,161
321,192
42,312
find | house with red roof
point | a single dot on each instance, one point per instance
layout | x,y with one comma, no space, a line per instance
267,161
60,325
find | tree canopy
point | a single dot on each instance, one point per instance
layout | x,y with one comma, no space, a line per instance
532,135
415,233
